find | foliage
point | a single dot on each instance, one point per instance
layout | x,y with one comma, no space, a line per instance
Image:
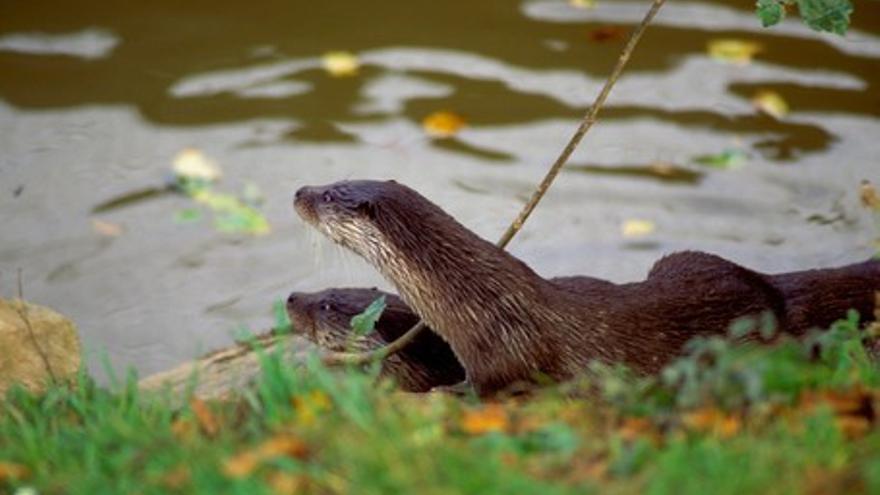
365,322
749,418
820,15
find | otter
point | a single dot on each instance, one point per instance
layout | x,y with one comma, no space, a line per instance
325,319
506,324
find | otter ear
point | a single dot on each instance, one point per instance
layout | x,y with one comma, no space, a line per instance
391,181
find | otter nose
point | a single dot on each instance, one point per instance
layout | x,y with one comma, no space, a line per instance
300,193
291,299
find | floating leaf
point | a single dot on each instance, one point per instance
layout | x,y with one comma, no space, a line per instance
583,4
605,34
188,215
729,158
734,51
442,124
192,165
365,323
232,215
771,103
637,228
106,229
491,418
340,64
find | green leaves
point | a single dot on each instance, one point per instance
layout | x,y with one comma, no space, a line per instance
365,323
821,15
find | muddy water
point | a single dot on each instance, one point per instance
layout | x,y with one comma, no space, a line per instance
96,99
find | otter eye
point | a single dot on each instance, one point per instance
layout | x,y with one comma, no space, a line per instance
325,307
327,197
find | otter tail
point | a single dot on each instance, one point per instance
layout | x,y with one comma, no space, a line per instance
817,298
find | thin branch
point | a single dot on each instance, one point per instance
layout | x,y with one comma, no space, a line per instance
587,122
21,309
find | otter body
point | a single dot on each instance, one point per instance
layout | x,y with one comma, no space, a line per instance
507,324
325,319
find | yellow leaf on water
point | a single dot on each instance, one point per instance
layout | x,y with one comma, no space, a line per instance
340,64
442,124
771,103
106,229
490,418
309,406
637,228
734,51
583,4
192,164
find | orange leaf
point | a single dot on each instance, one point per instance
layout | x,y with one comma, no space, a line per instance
11,471
712,420
442,124
605,34
283,445
106,229
286,483
207,421
633,428
487,419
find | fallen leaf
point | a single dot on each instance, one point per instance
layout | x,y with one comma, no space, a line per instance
192,164
491,418
309,406
207,421
712,420
583,4
106,229
637,228
771,103
868,195
188,215
177,478
340,64
442,124
282,445
605,34
10,471
733,51
183,429
633,428
286,483
727,159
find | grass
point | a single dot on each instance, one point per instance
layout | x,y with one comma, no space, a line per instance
797,417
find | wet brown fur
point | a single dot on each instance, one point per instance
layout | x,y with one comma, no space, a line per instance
324,318
506,324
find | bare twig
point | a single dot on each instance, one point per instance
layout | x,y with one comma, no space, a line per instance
21,309
587,122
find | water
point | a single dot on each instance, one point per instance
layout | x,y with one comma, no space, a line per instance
96,99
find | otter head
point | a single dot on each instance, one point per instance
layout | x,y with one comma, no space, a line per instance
383,221
325,317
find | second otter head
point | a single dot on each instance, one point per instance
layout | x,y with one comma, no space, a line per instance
325,317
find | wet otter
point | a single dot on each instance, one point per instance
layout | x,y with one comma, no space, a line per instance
507,324
324,318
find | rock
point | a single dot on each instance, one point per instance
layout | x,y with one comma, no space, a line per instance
37,344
